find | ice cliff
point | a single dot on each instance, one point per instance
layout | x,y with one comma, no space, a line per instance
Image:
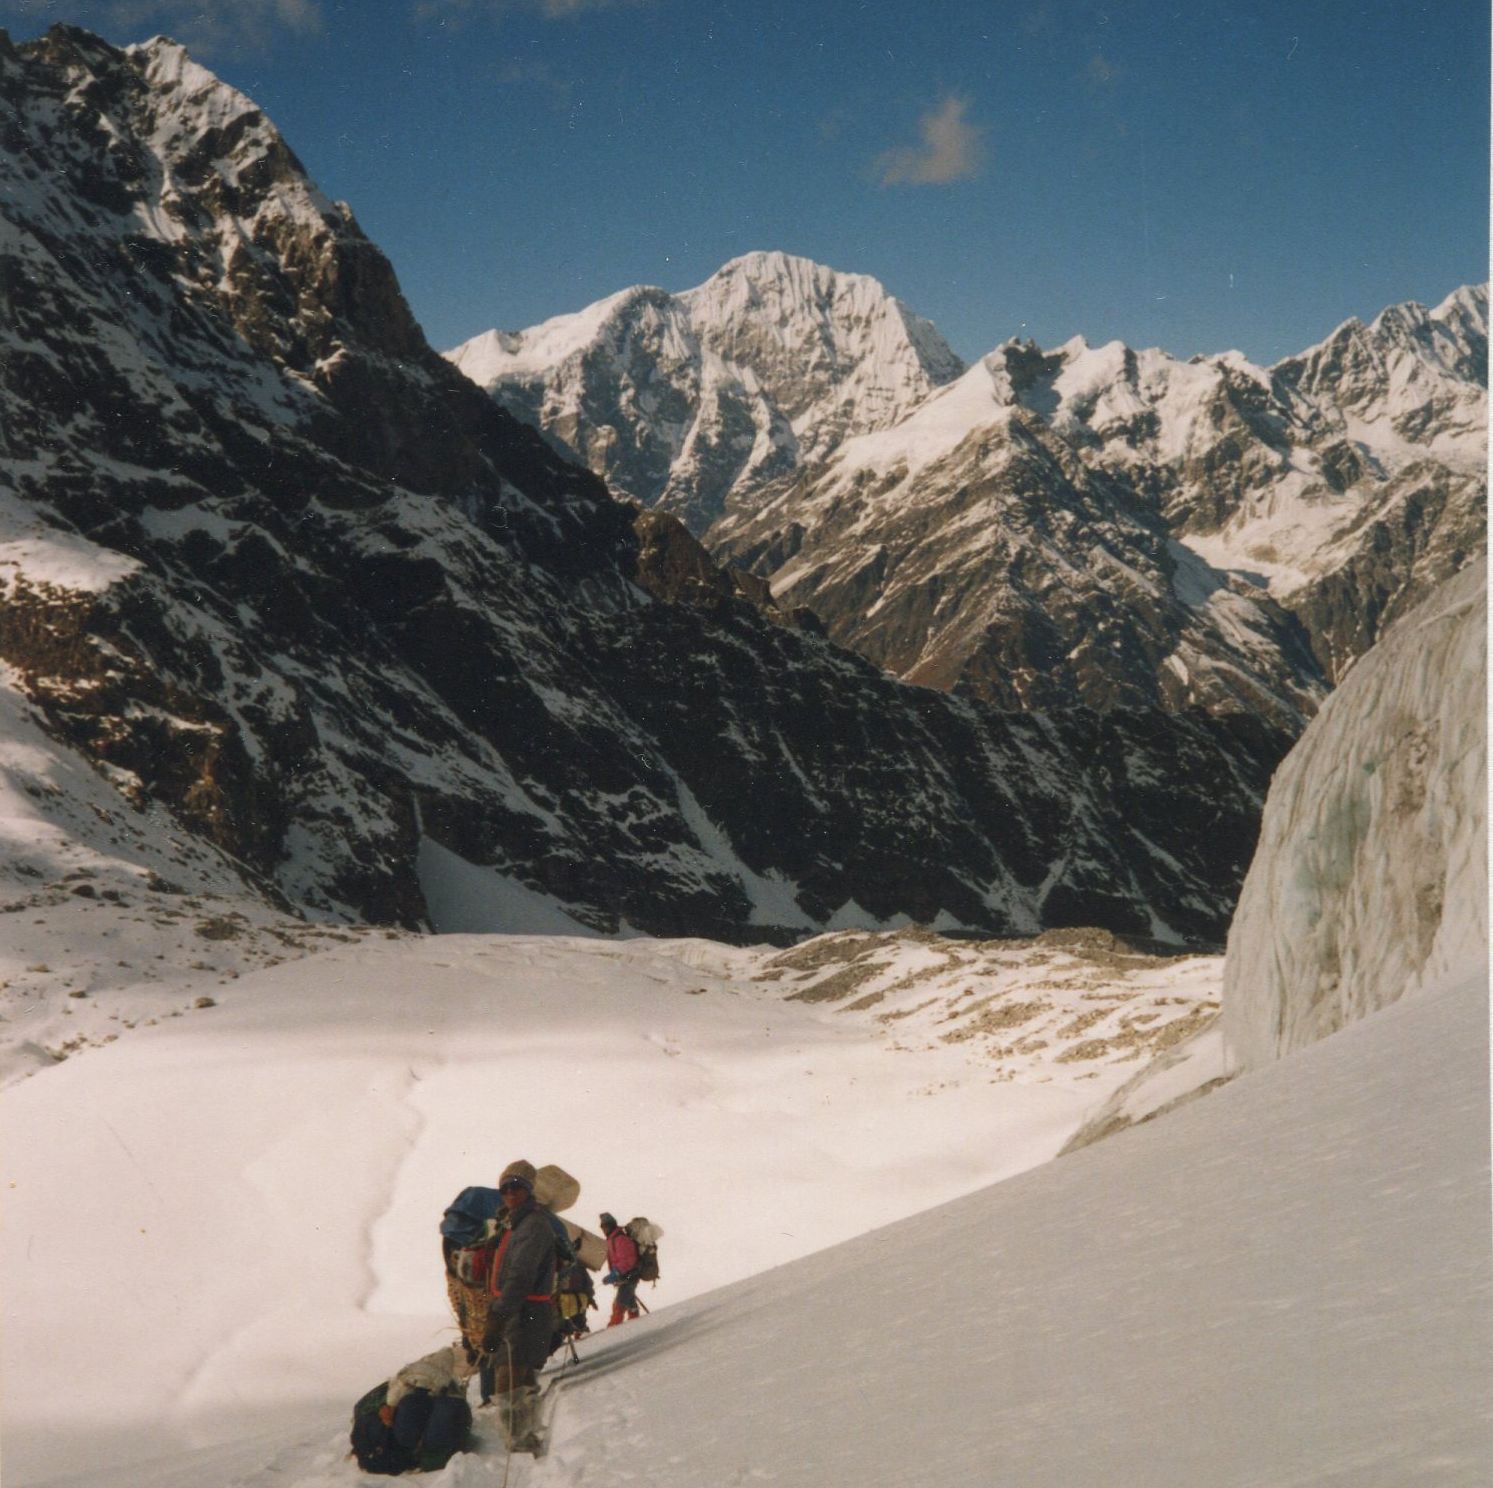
1371,878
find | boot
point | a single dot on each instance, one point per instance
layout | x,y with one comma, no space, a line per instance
618,1316
518,1411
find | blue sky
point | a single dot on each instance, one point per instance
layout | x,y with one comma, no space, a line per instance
1193,174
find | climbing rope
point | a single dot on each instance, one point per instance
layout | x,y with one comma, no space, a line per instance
508,1426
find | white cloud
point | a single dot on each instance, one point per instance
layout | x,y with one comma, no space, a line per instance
952,149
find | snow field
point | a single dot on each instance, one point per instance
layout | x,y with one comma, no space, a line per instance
262,1180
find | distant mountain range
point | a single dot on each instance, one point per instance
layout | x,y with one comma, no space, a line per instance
272,564
1090,525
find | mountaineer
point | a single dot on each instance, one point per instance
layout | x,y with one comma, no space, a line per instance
622,1257
521,1308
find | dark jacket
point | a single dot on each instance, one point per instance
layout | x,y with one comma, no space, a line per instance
526,1262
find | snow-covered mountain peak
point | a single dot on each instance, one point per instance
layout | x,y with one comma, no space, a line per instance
1401,356
697,401
169,68
786,281
496,355
847,325
765,273
1465,309
1094,396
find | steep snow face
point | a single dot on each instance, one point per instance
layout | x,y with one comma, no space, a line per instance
691,402
1306,1248
1371,878
833,351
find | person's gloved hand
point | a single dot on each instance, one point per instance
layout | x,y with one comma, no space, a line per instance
493,1336
611,1278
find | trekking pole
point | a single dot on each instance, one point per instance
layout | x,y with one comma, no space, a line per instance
508,1424
641,1303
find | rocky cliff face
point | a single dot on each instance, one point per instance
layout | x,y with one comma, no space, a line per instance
1371,878
1094,524
971,548
1216,535
692,402
274,565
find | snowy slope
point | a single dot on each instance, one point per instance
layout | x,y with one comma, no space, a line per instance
1371,878
1286,1283
1156,1312
112,917
263,1177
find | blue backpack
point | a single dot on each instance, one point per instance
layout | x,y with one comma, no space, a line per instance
466,1219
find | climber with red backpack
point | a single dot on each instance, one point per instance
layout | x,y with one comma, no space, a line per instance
632,1255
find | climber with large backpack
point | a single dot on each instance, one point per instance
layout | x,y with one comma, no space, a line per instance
418,1420
521,1306
632,1255
468,1244
470,1233
575,1296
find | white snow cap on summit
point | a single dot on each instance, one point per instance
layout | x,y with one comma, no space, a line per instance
771,278
169,66
763,289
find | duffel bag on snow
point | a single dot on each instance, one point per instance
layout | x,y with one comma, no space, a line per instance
427,1432
372,1441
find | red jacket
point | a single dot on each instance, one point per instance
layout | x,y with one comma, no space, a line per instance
622,1252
